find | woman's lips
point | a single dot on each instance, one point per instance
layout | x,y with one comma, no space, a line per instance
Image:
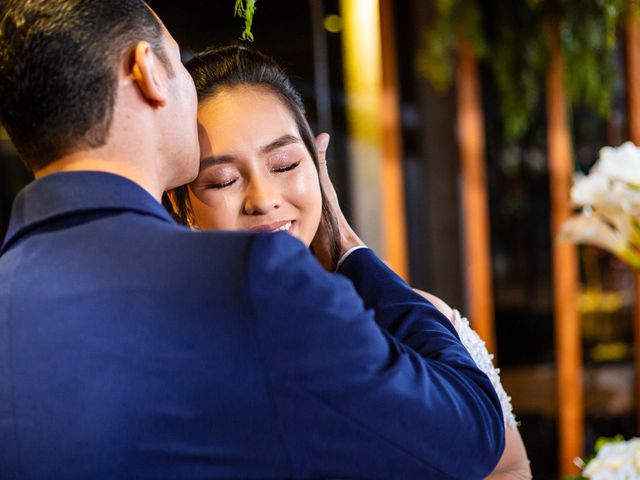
281,226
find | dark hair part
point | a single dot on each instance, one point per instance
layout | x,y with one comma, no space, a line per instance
58,70
232,66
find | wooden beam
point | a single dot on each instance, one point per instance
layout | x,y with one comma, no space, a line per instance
475,200
633,115
362,81
374,129
392,180
565,266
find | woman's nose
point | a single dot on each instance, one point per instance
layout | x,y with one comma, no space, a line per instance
261,197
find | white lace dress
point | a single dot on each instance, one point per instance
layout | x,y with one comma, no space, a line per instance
478,350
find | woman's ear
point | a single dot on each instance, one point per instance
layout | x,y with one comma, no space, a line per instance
146,73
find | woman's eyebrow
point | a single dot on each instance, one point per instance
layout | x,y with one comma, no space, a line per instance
207,162
279,142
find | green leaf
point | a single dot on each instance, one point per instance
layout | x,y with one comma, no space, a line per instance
512,40
602,441
246,9
456,20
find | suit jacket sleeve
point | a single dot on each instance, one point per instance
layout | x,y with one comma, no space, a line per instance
366,384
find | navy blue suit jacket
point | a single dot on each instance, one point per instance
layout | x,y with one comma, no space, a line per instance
131,347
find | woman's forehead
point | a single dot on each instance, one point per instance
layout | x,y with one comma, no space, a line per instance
251,115
245,95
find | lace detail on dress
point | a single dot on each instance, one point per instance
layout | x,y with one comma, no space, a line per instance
476,347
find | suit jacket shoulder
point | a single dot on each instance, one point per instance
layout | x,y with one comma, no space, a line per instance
386,379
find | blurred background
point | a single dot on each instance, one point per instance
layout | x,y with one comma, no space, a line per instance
455,128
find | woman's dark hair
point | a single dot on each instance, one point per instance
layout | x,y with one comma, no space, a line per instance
227,67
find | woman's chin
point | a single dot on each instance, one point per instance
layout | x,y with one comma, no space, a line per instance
303,238
297,233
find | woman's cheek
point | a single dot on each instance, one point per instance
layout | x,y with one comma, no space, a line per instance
305,195
230,207
214,210
305,189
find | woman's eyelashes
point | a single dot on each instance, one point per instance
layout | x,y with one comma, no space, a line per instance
223,184
219,184
286,168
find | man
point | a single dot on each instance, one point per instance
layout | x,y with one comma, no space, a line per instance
131,347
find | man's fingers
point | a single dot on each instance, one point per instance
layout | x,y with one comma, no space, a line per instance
322,142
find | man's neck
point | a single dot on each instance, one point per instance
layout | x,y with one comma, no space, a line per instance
85,161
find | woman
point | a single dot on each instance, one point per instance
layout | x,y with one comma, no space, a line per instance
262,170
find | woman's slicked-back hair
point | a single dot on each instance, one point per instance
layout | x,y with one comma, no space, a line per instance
236,65
58,70
232,66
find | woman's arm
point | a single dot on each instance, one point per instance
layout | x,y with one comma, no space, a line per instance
514,463
441,305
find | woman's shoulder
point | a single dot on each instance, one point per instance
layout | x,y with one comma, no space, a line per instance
437,302
478,351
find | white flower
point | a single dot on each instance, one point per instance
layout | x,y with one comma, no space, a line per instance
591,228
615,461
589,189
624,195
609,198
621,163
597,190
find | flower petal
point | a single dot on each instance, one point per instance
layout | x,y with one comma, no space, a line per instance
621,163
590,189
592,230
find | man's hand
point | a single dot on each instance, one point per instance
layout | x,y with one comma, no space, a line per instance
321,244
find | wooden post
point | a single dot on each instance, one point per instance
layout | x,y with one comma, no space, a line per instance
474,196
392,181
362,79
565,266
374,132
633,115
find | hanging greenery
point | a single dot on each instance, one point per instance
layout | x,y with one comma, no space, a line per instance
456,20
246,9
512,38
589,39
517,59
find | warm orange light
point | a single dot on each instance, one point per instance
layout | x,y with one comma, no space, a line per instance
374,132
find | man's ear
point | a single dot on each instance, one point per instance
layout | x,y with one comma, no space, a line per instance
146,72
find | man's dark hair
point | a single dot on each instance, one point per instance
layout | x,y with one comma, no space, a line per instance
58,70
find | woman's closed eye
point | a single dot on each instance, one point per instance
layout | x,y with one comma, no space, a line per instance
226,183
286,168
219,177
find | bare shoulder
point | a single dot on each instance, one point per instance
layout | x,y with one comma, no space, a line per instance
437,302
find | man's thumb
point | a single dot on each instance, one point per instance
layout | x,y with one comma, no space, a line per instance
322,142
